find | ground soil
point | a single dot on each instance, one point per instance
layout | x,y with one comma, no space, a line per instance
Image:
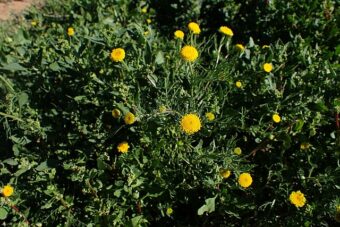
10,8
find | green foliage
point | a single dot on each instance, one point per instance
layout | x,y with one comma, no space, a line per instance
59,138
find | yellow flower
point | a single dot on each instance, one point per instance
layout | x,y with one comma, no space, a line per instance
116,113
129,118
194,28
210,116
148,21
268,67
276,118
297,198
265,46
225,173
190,123
70,31
237,151
162,109
169,211
118,54
304,146
34,23
245,180
7,190
146,33
123,147
179,34
144,9
189,53
238,84
240,47
226,31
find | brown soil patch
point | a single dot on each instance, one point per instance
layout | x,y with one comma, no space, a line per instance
9,8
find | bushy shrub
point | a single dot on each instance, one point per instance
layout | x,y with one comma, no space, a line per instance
146,137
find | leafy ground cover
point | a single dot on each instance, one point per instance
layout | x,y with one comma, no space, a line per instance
175,113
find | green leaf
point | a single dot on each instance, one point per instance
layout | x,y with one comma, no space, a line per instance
208,207
3,213
298,125
23,99
13,67
11,162
159,58
55,67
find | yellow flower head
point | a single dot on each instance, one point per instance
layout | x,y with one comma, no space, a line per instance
238,84
226,31
179,34
297,198
245,180
276,118
123,147
129,118
265,46
116,113
189,53
169,211
7,190
237,151
70,31
268,67
148,21
240,47
225,173
304,146
162,109
118,54
190,123
144,9
146,33
210,116
194,28
34,23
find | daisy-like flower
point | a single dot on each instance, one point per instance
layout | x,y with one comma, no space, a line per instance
129,118
189,53
245,180
123,147
7,190
225,173
297,198
210,116
238,84
118,54
179,34
190,123
194,28
70,31
276,118
226,31
267,67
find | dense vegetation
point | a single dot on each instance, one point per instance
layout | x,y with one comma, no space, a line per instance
109,118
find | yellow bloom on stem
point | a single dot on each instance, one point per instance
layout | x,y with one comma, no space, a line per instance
226,31
268,67
210,116
118,54
225,173
7,191
304,146
237,151
129,118
70,31
169,211
123,147
162,109
240,47
194,28
116,113
276,118
245,180
144,9
189,53
190,123
179,34
34,23
148,21
238,84
297,198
